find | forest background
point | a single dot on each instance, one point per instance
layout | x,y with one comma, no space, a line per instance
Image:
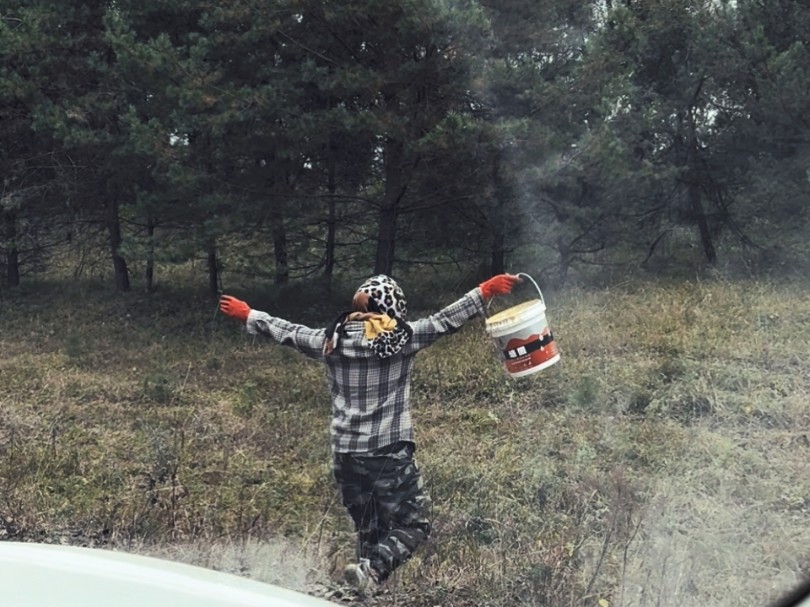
645,161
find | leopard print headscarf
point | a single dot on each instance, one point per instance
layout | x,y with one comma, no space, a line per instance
380,303
385,296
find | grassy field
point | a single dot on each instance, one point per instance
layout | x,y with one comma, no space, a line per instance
664,461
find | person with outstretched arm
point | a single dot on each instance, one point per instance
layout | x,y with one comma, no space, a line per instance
368,353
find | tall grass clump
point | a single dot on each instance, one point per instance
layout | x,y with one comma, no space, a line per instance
662,461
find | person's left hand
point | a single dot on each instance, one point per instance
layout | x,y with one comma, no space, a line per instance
235,308
499,285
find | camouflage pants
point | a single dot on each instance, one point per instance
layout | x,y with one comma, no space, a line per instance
383,492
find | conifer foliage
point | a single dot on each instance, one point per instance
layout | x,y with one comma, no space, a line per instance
295,137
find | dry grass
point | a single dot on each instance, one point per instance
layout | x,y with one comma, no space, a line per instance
663,461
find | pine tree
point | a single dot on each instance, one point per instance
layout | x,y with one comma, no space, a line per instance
81,107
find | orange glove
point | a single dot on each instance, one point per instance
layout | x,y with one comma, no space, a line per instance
235,308
499,285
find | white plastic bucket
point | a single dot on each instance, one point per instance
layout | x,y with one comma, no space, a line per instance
523,337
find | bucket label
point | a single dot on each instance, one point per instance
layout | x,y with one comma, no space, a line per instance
535,342
536,350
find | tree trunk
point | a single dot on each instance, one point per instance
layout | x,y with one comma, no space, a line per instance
279,232
277,188
389,213
386,240
331,240
498,261
498,219
696,207
331,221
12,253
694,193
213,267
114,230
150,253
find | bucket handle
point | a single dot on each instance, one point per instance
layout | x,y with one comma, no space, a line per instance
489,303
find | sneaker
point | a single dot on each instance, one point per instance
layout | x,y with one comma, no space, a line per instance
361,575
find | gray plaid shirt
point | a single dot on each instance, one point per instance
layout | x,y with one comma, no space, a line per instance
370,395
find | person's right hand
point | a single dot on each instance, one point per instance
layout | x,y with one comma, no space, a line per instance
235,308
499,285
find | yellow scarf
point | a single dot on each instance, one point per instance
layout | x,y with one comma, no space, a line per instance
374,324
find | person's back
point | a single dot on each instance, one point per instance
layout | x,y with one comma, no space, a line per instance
369,394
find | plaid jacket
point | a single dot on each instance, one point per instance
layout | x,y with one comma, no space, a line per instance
370,395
